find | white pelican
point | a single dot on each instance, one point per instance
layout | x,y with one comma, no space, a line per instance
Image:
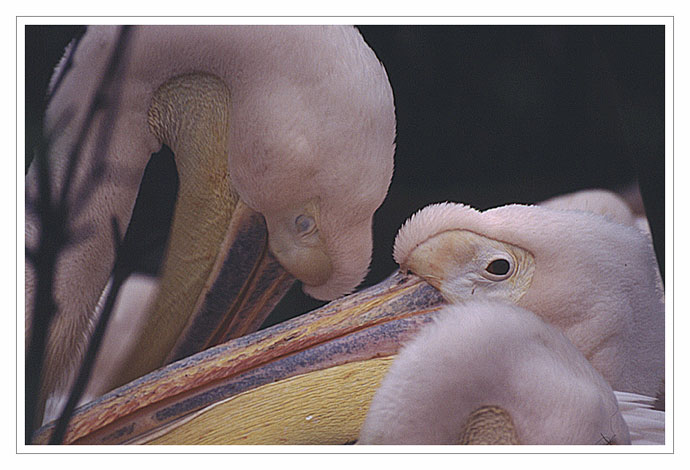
580,240
488,372
291,125
594,279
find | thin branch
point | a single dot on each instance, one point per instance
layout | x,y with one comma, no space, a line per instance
118,277
99,101
53,236
30,255
44,261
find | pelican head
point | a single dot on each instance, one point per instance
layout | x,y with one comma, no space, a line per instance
592,278
313,149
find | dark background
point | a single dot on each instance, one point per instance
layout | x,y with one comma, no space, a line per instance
487,115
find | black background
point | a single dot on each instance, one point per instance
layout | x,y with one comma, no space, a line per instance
487,115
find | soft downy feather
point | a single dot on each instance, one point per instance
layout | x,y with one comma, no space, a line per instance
492,354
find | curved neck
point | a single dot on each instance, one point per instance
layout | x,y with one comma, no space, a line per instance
190,114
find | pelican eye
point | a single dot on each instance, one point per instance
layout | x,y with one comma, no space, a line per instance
498,267
305,224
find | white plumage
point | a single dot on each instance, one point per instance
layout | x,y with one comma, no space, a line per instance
595,201
493,354
594,279
581,265
646,424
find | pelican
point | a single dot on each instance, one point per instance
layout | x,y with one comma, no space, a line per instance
592,278
488,372
283,139
457,367
310,380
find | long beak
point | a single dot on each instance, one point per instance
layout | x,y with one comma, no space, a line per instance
244,286
305,381
232,296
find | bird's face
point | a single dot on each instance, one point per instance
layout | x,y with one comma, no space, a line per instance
296,241
316,175
464,265
592,278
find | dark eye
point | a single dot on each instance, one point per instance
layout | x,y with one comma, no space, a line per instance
498,267
304,224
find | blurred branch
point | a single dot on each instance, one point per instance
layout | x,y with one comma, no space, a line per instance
120,273
54,236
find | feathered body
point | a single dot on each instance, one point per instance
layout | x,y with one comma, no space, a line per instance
493,354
